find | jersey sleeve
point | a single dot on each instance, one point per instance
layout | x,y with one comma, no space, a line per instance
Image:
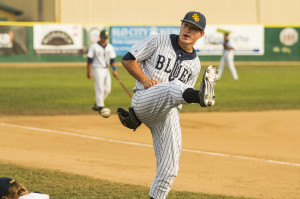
91,52
145,49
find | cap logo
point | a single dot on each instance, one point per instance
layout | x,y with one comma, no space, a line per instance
12,181
195,17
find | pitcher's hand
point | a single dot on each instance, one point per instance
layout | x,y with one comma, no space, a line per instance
150,82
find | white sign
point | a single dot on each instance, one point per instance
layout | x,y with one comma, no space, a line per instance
6,40
57,39
246,40
93,32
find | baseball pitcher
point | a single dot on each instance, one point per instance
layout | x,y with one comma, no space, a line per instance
168,70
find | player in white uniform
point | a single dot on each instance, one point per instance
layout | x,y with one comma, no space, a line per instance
10,188
169,67
227,58
100,55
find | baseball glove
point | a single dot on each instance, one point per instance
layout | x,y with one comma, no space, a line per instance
128,118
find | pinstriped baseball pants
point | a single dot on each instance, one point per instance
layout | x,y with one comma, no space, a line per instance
156,107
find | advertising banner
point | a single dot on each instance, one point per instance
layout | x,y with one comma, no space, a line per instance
124,37
13,40
282,43
246,40
57,39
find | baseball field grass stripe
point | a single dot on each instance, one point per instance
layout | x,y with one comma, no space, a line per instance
50,90
148,145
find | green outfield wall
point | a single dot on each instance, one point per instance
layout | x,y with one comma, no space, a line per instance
280,44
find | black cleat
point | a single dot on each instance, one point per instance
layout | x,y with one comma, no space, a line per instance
97,108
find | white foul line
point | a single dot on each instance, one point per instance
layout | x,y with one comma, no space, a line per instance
147,145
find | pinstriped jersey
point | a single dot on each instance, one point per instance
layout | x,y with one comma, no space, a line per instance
162,59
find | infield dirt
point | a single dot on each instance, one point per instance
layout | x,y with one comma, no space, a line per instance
251,154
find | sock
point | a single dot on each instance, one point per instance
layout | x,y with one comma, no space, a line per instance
191,95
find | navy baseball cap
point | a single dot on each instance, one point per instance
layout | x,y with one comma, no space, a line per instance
104,33
5,183
195,18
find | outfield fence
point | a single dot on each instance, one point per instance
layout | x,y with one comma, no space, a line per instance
55,42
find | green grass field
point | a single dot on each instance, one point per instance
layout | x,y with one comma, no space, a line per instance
69,186
66,90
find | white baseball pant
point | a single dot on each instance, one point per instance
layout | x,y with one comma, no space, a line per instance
227,58
102,81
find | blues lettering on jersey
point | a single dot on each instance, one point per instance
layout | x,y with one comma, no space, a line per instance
160,63
178,71
185,75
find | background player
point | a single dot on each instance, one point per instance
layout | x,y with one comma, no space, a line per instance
100,55
169,67
227,57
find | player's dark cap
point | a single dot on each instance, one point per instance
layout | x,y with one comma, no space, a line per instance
195,18
5,183
104,34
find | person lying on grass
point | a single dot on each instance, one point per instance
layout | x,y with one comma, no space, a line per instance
11,189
